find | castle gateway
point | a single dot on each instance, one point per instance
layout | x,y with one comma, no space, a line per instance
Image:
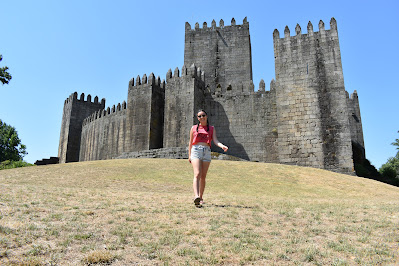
307,118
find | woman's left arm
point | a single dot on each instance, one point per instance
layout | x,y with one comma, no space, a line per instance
217,142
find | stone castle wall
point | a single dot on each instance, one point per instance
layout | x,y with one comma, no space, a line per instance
307,118
246,122
104,134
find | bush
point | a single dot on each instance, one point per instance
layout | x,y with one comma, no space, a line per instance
391,168
13,164
388,171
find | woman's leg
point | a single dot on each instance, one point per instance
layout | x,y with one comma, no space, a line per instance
204,171
197,167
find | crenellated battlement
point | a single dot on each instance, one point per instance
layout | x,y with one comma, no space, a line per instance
144,80
312,56
244,89
298,31
262,86
214,26
74,97
114,110
192,71
354,96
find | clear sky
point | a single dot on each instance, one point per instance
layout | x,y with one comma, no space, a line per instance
54,48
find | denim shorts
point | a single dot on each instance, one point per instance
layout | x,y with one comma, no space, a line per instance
201,152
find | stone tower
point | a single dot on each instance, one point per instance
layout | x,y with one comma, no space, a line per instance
75,111
355,120
313,118
184,95
145,111
223,53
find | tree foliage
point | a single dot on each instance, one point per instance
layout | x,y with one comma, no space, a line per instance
391,168
5,77
10,145
13,164
396,143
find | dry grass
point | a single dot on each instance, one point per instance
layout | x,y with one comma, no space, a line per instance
99,257
140,212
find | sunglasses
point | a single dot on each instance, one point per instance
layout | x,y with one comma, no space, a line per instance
201,116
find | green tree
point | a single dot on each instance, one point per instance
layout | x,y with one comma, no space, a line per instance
396,143
5,77
10,145
390,169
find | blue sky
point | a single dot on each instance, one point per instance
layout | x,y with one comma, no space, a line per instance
54,48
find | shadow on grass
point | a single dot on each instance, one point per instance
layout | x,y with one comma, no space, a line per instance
227,206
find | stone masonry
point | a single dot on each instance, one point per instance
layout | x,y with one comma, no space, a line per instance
306,118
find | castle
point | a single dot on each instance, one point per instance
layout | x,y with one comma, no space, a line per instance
307,118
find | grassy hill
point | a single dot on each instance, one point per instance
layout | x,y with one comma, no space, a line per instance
140,211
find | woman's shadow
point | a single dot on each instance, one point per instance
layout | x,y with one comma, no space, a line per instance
228,206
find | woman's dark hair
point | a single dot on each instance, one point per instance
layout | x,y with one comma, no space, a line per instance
207,124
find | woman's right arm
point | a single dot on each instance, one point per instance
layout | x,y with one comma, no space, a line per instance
190,145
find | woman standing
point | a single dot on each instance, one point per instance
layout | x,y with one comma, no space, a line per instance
199,153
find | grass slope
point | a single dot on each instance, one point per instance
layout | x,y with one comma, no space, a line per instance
140,211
